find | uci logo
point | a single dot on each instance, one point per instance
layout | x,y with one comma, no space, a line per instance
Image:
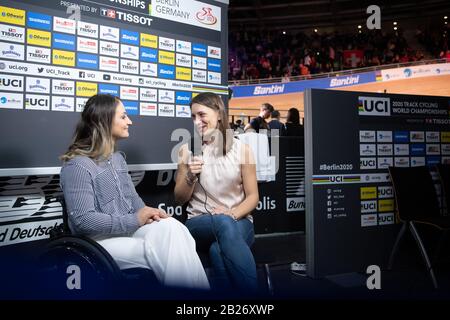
374,106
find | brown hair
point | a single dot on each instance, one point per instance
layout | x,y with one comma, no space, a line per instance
213,101
93,134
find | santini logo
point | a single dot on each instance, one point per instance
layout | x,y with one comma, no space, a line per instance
268,90
344,81
374,106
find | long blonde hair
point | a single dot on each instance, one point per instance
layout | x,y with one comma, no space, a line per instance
93,135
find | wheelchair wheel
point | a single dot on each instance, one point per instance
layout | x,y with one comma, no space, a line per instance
97,272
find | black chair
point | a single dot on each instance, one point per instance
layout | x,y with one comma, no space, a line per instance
416,203
65,248
443,171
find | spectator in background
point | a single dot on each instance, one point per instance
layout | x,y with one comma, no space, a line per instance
260,121
292,127
239,126
275,122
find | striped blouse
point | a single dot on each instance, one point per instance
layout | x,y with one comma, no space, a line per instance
100,197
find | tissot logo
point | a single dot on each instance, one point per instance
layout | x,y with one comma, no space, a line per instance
374,106
366,136
15,34
38,54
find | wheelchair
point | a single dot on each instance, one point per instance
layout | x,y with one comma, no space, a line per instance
67,254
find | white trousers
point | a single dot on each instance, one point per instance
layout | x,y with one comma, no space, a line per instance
164,246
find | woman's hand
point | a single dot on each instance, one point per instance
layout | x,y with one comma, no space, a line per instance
222,210
194,167
147,215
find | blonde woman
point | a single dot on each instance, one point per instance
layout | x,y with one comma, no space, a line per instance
103,204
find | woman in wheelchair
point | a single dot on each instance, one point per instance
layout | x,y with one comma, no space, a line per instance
103,204
221,190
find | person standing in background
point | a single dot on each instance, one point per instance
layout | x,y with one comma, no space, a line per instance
259,122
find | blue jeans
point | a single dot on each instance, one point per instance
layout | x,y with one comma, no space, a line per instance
228,243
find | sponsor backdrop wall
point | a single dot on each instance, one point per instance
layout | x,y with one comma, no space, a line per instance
351,140
154,55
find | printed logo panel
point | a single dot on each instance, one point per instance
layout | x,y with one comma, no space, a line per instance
149,69
366,136
129,52
183,73
80,103
132,107
129,93
87,45
64,41
166,44
385,162
11,83
166,110
13,16
60,103
110,89
109,48
184,47
129,37
37,102
11,100
214,77
109,33
149,55
109,64
12,33
166,96
39,21
64,58
198,62
149,40
86,89
374,106
183,111
64,87
86,29
38,54
87,61
367,150
214,52
183,60
368,193
129,66
12,51
64,25
147,94
38,85
148,109
369,220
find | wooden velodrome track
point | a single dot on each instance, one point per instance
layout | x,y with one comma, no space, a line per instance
430,86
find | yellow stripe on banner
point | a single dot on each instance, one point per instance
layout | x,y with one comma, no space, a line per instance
86,89
14,16
39,38
64,58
